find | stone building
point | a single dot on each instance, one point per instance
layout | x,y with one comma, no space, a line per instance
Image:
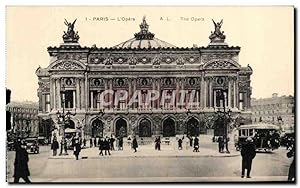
279,110
24,118
77,76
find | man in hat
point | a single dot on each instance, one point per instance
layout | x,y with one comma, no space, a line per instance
248,153
21,163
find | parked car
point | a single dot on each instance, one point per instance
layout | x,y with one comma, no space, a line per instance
32,145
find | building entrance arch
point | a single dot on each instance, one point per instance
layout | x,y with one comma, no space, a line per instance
97,128
168,127
145,128
121,128
193,128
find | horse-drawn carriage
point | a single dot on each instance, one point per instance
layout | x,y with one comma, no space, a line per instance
265,136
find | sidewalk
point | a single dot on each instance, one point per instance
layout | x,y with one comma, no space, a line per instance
163,179
149,151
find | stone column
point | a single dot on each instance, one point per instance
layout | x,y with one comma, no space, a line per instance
74,99
234,94
229,93
53,93
77,94
210,93
182,89
215,99
111,96
201,94
43,102
105,98
82,94
98,100
238,93
86,92
158,89
129,91
92,100
177,92
58,93
153,88
134,105
205,93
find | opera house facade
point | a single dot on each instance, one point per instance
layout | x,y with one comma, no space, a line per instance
144,86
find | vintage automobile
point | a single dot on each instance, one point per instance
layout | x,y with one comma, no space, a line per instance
32,145
265,136
287,138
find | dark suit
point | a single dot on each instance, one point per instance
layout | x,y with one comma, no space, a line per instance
134,144
248,153
21,165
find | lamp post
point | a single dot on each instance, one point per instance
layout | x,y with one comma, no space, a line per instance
224,115
63,119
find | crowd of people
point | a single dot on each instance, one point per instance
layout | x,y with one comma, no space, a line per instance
192,142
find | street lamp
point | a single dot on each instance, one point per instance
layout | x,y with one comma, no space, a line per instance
63,119
224,115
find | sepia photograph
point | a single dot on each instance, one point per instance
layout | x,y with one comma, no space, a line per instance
150,94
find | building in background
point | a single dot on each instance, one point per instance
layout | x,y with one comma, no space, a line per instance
80,74
279,110
24,119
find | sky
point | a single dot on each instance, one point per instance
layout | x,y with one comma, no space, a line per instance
265,35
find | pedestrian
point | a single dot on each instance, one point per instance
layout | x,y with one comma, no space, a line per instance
84,143
112,140
196,145
77,148
106,145
179,144
91,142
248,154
54,146
101,146
134,144
95,142
226,140
116,145
221,144
191,141
121,143
21,163
157,143
290,154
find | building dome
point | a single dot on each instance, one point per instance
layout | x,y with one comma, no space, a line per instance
144,39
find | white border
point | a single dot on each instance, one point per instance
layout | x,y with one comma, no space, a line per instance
114,2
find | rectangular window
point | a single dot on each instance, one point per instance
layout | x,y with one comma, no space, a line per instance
67,98
47,103
241,101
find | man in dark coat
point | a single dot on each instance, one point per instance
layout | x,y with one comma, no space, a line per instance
191,141
77,148
120,143
196,145
106,145
157,143
101,146
95,142
21,164
221,144
91,142
248,153
226,140
54,146
112,143
290,154
180,144
134,144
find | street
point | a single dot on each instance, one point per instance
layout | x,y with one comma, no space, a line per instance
188,166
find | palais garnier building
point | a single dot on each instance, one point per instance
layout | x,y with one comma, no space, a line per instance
191,85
